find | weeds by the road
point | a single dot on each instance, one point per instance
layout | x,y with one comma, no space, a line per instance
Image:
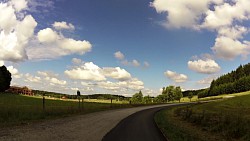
222,120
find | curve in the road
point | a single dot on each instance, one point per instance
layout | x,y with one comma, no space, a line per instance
137,127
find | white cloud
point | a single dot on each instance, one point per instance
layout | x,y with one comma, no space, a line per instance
207,80
75,46
109,78
117,73
76,61
135,63
227,48
52,45
207,66
8,18
1,63
108,85
47,74
57,81
47,36
33,79
51,77
19,4
12,70
63,25
14,33
182,13
178,78
226,14
119,55
235,32
88,71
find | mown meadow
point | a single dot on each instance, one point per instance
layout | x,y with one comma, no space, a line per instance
18,109
227,119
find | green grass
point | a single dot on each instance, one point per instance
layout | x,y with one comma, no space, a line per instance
227,119
19,109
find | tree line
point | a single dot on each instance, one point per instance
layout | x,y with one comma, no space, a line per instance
234,82
169,93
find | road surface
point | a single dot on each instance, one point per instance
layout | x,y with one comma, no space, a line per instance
89,127
137,127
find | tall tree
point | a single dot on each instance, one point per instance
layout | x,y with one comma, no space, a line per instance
5,79
178,94
190,96
137,98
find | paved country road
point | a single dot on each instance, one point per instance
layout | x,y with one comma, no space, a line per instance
137,127
89,127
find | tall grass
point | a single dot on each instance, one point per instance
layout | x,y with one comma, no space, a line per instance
227,119
18,109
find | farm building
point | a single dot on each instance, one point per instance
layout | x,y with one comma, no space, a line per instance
20,90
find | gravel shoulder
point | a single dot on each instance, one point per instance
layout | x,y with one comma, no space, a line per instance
89,127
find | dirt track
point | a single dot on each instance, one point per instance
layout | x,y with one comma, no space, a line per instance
89,127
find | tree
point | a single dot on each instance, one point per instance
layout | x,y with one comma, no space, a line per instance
137,98
5,78
178,94
147,99
190,96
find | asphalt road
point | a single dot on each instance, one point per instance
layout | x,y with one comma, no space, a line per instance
137,127
89,127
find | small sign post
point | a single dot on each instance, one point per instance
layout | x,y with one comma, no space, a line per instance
78,95
43,102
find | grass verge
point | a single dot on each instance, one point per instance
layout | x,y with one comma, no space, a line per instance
19,109
227,120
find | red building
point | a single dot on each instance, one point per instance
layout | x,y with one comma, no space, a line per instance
20,90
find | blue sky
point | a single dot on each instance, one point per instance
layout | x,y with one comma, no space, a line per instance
121,47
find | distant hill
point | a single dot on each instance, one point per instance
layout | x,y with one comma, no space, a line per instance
92,96
234,82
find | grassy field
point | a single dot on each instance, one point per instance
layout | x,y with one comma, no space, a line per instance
19,109
227,119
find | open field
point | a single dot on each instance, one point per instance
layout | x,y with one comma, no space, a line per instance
19,109
227,119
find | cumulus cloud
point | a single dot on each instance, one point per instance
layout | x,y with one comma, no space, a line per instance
226,14
227,18
76,61
109,85
75,46
18,41
119,55
51,77
109,78
63,25
14,33
47,36
88,71
235,32
207,66
227,48
31,78
117,73
176,77
192,10
19,4
52,45
207,80
12,70
136,63
1,63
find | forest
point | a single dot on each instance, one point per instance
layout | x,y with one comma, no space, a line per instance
234,82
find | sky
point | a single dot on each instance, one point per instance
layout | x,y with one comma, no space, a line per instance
122,46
